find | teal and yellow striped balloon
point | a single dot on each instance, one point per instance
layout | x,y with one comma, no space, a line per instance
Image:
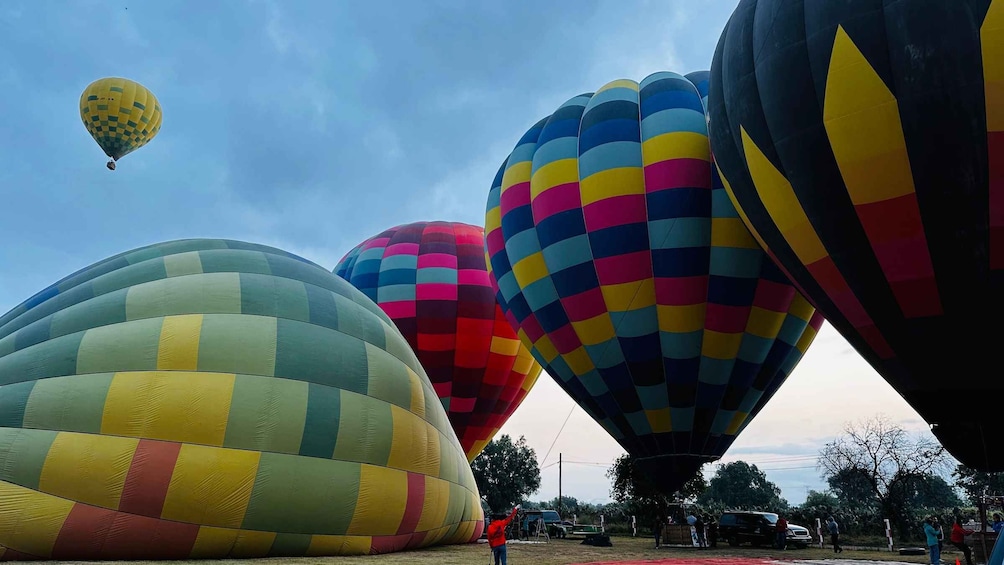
212,399
121,115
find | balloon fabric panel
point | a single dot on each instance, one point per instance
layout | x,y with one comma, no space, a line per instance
628,272
211,399
431,279
121,115
862,146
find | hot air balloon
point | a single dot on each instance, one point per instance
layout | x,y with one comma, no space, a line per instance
219,399
632,280
863,145
121,115
431,279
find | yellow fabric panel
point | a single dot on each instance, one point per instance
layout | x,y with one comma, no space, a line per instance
30,520
619,83
527,365
516,173
493,221
188,263
250,543
627,296
992,47
718,345
414,445
742,213
681,319
530,269
179,343
169,405
608,183
322,545
417,393
597,329
738,419
782,205
862,122
504,345
659,420
383,494
765,323
477,447
801,308
731,232
464,532
546,348
562,171
676,145
437,500
211,486
806,340
579,361
88,468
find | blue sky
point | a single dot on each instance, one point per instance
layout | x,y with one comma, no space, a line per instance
312,125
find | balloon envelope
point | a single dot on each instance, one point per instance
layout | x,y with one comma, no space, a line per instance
632,279
212,399
864,144
431,279
121,115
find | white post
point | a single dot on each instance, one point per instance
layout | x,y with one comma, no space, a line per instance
574,519
602,528
819,532
634,527
888,533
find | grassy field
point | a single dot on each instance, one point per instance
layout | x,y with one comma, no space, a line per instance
564,552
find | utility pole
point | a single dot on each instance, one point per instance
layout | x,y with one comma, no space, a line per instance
559,483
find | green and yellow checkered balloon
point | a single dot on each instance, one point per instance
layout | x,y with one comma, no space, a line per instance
120,114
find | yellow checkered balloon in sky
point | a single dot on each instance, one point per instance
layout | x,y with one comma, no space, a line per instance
120,114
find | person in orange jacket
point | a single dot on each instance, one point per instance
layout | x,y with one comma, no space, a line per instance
958,539
496,535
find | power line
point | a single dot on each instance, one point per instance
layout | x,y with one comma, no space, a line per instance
559,432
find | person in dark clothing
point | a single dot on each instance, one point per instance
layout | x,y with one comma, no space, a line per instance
657,529
699,527
958,539
834,529
712,532
781,533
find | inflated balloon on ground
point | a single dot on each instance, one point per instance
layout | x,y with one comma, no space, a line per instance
211,399
864,145
431,279
632,279
121,115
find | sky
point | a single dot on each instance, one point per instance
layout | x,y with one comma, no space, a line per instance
313,125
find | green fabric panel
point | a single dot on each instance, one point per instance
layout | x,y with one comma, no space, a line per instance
182,264
302,495
266,414
290,268
73,404
388,378
53,358
455,509
434,412
345,289
234,261
306,352
320,431
32,334
290,545
173,247
323,310
13,399
129,346
129,276
92,272
22,454
234,343
265,295
448,461
6,345
396,345
216,293
365,429
103,310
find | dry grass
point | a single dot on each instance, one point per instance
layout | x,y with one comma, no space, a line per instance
564,552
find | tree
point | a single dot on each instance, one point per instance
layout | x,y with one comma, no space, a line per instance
977,483
639,495
741,486
883,457
506,473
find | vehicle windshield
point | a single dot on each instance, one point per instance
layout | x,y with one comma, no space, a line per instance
772,518
551,516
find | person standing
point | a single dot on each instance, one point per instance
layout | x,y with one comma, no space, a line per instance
931,533
998,523
657,529
958,539
834,529
712,531
496,535
699,528
781,533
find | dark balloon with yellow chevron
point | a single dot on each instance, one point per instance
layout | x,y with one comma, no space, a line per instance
863,144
